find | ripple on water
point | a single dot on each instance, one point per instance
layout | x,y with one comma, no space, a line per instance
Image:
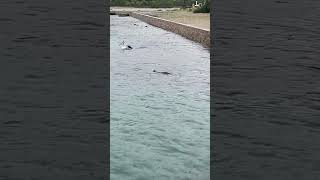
159,123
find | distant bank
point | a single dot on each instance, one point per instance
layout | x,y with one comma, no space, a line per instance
194,27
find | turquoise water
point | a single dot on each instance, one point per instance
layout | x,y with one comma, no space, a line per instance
159,123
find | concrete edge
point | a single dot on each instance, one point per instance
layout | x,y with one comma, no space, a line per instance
195,34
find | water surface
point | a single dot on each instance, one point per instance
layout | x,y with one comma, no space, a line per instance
159,123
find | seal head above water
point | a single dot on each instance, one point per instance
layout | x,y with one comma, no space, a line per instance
161,72
125,47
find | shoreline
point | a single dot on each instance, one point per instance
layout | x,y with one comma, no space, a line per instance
196,34
184,16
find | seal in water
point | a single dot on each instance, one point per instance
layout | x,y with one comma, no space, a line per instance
125,47
164,72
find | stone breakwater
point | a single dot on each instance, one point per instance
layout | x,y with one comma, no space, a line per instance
195,34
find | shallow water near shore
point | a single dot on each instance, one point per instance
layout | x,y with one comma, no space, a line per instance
159,123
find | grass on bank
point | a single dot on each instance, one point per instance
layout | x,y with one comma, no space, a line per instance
163,4
201,20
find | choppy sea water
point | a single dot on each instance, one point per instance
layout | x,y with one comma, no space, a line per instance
53,90
159,123
266,90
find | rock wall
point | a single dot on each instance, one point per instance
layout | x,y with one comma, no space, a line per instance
201,36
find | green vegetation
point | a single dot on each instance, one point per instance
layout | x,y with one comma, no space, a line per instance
154,3
146,3
203,9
